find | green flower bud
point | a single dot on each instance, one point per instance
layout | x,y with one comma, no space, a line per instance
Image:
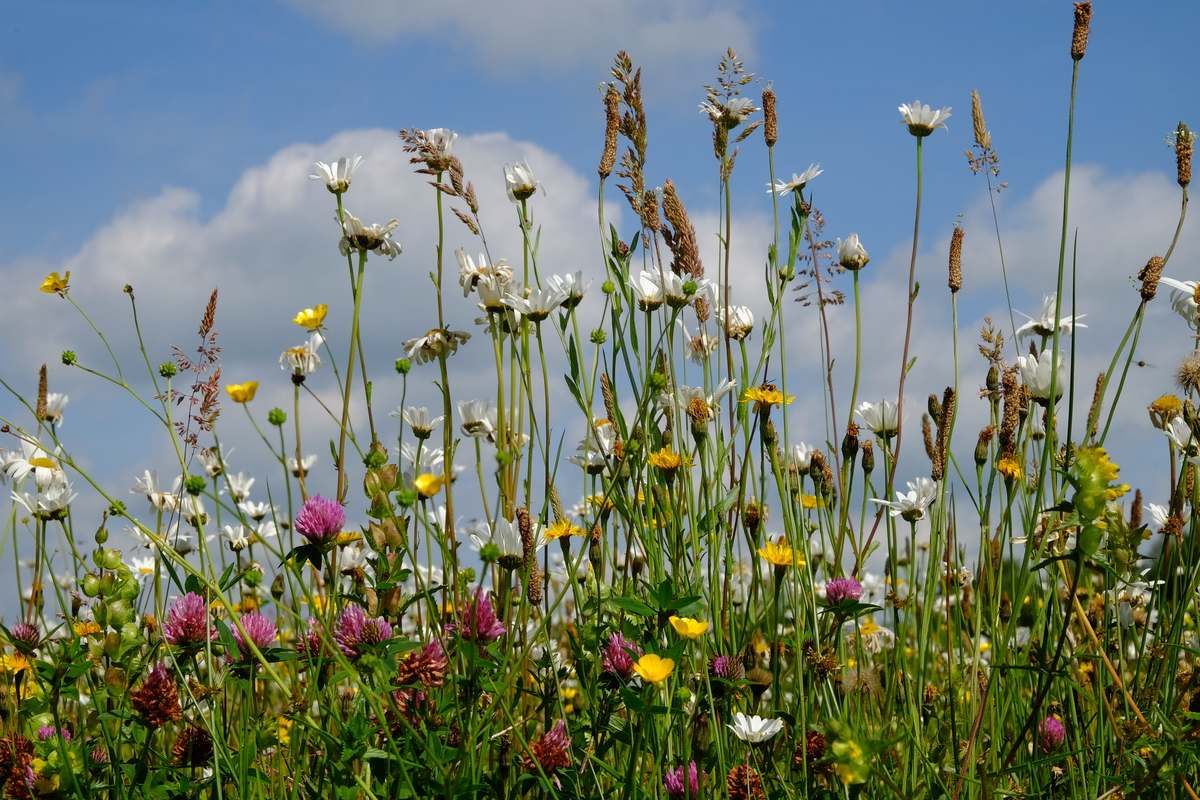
489,553
167,369
194,485
69,357
101,535
599,336
277,587
690,287
406,498
403,365
253,577
91,585
608,287
120,612
117,509
376,457
657,382
276,416
108,582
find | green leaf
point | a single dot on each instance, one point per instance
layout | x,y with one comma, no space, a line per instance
633,606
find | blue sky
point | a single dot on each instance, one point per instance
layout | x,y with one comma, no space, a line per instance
170,150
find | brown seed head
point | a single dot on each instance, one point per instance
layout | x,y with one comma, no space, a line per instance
927,435
41,398
1187,375
1135,511
983,136
771,132
942,444
526,529
1083,25
1149,276
680,236
1184,140
743,783
1012,414
193,748
534,588
612,123
956,240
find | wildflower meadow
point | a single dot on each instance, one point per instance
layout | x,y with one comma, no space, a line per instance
604,560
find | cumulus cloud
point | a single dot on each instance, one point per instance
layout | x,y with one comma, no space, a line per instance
546,33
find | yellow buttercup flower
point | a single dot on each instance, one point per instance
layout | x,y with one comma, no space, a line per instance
668,460
811,501
312,318
85,628
766,396
241,392
1010,468
428,485
563,528
781,555
687,627
654,669
56,285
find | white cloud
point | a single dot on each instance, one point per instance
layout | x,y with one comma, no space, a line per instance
547,33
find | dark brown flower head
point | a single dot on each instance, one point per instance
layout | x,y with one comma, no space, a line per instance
550,751
612,123
810,751
157,702
426,666
193,748
1149,276
15,775
771,131
956,240
1184,145
1083,25
743,783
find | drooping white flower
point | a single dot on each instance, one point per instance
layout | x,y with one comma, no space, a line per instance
851,254
881,418
782,187
506,536
740,323
730,111
1043,323
647,289
872,636
55,403
1183,299
1036,373
478,417
48,502
361,238
435,344
1160,515
213,461
519,182
800,456
418,420
572,286
1180,435
922,120
303,466
537,304
256,511
166,502
34,458
143,568
442,140
239,486
754,728
236,536
338,175
911,505
305,358
267,529
594,450
673,288
471,273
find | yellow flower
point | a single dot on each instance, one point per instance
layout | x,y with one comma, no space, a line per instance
1010,468
56,285
766,396
285,730
1165,409
348,537
85,628
563,528
668,460
428,485
312,318
14,663
654,669
781,555
810,501
241,392
687,627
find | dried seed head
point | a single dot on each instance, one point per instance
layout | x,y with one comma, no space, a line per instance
612,123
1094,411
771,132
682,239
945,419
1187,375
1149,276
40,411
927,434
1012,414
1083,25
1135,511
1184,140
956,240
868,457
534,588
983,136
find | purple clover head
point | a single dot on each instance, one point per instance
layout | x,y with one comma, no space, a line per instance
260,629
728,667
478,621
840,589
1051,734
557,736
320,520
47,731
682,782
25,636
187,622
617,656
355,627
312,644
